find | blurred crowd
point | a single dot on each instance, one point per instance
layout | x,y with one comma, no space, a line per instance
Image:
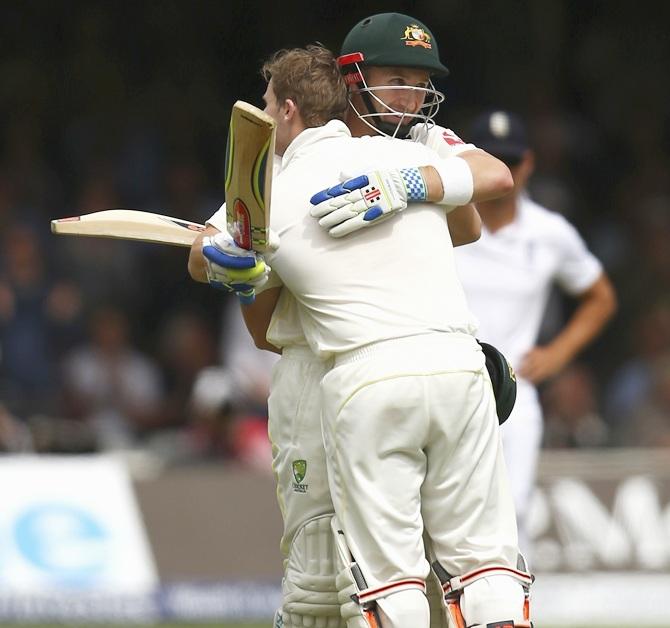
108,345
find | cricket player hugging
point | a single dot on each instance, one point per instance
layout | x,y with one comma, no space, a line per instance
408,414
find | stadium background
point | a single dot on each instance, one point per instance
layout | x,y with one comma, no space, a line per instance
126,104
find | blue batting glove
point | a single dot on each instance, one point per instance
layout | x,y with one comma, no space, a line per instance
232,268
366,200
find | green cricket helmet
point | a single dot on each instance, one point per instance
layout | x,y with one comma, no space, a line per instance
391,40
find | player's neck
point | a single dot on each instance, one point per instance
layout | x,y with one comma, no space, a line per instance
357,127
498,213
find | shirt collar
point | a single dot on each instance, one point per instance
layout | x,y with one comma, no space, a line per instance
334,128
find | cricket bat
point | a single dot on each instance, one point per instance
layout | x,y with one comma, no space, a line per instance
248,183
130,224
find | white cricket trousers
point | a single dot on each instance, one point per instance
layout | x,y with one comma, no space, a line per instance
412,438
294,428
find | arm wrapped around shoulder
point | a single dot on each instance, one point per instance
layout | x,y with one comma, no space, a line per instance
503,380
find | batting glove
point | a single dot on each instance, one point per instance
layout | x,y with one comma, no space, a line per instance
232,268
367,200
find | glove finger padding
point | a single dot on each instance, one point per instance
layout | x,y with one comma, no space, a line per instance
338,196
232,265
326,209
355,224
343,213
231,274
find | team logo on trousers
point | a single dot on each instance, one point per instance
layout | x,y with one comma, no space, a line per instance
299,473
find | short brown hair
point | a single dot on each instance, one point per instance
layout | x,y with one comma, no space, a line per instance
311,78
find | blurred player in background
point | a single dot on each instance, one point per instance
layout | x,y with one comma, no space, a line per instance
508,274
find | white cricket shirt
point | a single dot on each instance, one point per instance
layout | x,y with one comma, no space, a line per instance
507,275
285,328
397,279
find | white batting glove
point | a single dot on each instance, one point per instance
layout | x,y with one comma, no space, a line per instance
232,268
366,200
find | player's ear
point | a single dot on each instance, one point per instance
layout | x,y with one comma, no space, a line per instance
289,109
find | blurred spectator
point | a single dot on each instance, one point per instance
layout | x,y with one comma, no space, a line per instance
250,369
111,385
650,424
139,164
8,204
631,385
208,411
222,428
185,194
187,346
38,186
38,319
212,409
137,117
570,404
654,235
102,268
15,437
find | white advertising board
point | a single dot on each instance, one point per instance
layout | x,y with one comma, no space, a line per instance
71,525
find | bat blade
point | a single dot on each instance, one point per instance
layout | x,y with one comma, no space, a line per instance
248,183
130,224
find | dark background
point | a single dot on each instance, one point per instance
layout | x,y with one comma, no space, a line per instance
126,104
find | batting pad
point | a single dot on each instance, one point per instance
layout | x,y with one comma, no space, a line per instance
309,589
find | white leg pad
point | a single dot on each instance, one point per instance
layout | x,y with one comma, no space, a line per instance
310,598
404,609
405,606
493,599
350,609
